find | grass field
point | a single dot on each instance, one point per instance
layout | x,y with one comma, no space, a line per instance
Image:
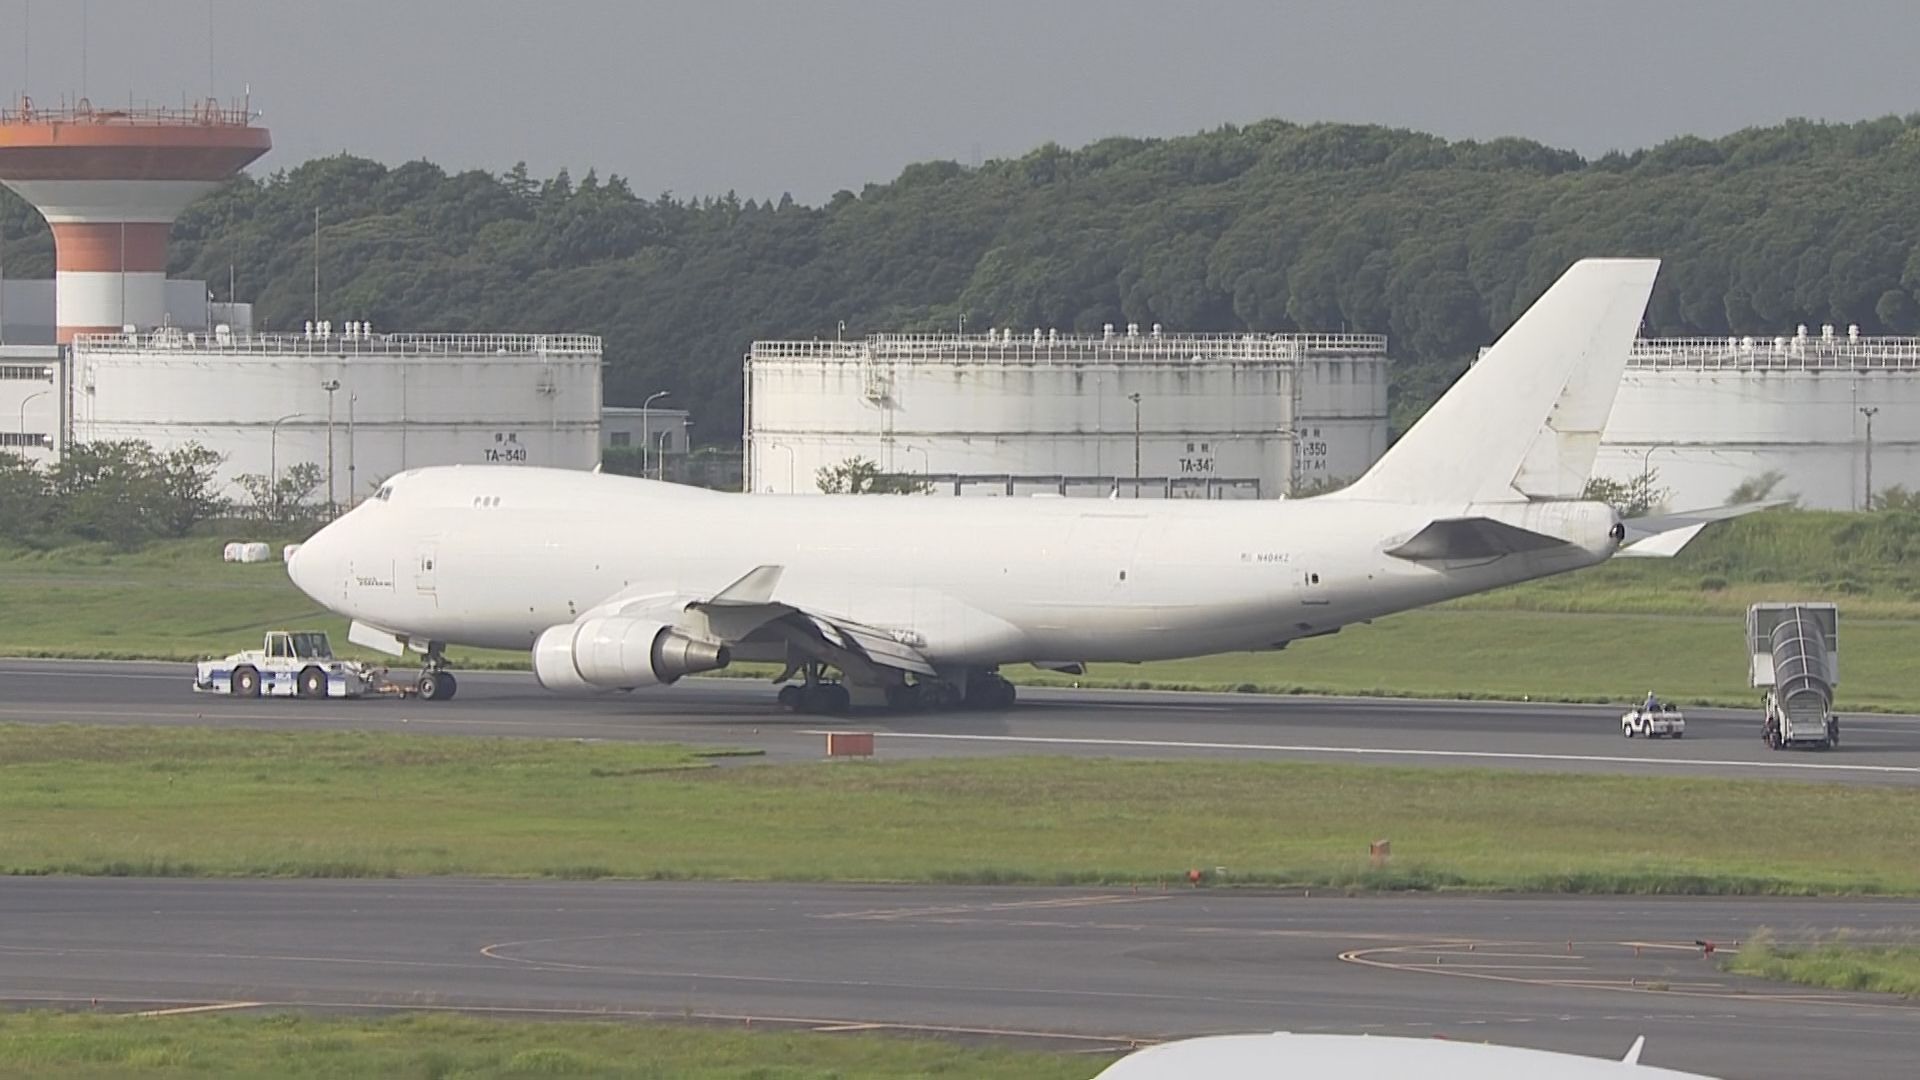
1843,962
1606,634
166,801
55,1046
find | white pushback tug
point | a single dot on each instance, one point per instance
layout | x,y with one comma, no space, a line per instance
289,663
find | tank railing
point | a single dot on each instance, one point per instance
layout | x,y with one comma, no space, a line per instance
1183,348
208,113
269,344
1777,354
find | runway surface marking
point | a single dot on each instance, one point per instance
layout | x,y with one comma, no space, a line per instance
185,1009
1012,905
1383,751
1452,958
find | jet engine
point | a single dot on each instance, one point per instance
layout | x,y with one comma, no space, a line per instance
619,653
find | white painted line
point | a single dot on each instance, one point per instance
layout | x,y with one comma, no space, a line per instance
182,1011
1382,751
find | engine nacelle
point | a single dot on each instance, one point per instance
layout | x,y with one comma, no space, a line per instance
619,653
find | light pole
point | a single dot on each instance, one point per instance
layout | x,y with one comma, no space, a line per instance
23,410
330,385
1135,398
273,462
660,458
646,413
1868,411
352,492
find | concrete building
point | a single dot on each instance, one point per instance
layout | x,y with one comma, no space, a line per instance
627,427
33,400
1151,414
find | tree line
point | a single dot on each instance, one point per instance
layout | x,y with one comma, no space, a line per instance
1270,227
127,493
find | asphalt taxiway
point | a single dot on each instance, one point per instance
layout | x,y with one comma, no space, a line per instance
739,713
1072,969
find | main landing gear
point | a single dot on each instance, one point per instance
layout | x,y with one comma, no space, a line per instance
983,691
815,696
436,682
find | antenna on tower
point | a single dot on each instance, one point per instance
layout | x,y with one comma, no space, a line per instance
26,48
85,12
316,265
210,86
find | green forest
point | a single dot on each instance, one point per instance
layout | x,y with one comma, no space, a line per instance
1270,227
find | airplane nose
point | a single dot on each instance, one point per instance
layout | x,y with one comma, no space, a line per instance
316,566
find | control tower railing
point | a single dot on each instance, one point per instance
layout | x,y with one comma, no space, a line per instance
208,113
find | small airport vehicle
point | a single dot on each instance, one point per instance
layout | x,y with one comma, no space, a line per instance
1794,652
288,664
1663,719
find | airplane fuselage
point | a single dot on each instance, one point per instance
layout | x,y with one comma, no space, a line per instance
493,556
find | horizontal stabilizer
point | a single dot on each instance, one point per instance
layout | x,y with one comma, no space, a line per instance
1660,545
1661,536
1472,538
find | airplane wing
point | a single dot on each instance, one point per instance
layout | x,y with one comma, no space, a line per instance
1661,536
747,607
1472,538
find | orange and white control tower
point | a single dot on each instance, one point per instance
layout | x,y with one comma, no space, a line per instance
110,183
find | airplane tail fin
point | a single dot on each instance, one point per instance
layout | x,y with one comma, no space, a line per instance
1525,422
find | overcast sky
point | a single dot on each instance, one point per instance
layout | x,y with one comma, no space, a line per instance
702,96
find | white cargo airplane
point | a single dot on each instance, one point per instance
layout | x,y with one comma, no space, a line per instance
1327,1057
617,583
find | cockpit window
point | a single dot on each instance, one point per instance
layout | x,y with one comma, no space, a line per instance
385,492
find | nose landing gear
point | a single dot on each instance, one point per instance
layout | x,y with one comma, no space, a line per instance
436,683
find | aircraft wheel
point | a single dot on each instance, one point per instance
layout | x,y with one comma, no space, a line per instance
790,697
436,685
903,697
246,682
939,694
825,699
313,683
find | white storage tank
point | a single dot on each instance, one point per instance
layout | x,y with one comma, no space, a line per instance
1004,413
1705,415
381,403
